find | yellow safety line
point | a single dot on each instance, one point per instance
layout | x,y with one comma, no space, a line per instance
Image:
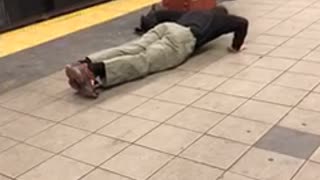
36,34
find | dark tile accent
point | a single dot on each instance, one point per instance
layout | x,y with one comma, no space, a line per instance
290,142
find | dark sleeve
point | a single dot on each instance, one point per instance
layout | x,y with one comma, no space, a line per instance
240,31
239,26
168,15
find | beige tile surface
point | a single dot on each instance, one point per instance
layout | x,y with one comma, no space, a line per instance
28,101
58,168
240,58
289,52
203,81
7,116
261,111
196,119
100,174
311,102
169,139
219,102
181,95
270,40
223,69
24,127
305,67
258,75
240,130
4,178
316,156
156,110
299,81
261,164
20,159
233,176
180,169
57,138
281,95
95,149
240,88
274,63
302,120
6,143
259,49
310,171
301,43
91,119
58,110
128,128
126,162
214,151
122,103
313,56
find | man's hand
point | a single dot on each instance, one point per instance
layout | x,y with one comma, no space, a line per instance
232,50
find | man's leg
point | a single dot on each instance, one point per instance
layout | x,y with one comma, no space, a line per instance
173,45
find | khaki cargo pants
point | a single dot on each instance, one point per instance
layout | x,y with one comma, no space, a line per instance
163,47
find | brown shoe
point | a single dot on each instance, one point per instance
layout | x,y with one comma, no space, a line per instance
81,75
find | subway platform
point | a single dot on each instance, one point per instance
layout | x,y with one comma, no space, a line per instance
254,115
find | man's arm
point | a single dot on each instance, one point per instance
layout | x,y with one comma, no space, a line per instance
239,26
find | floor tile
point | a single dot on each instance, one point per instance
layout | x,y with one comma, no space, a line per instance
240,58
281,95
180,169
302,120
27,102
122,103
137,162
58,110
216,152
259,49
261,164
162,139
8,116
181,95
99,174
309,34
240,130
305,67
203,81
57,138
48,86
287,52
4,178
311,102
156,110
301,43
313,56
261,111
58,168
91,119
290,142
128,128
240,88
299,81
21,158
223,69
270,40
196,119
310,171
233,176
95,149
219,102
24,127
274,63
258,75
6,143
287,28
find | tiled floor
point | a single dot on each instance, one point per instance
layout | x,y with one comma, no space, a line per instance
248,116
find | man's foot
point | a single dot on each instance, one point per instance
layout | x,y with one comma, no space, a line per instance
81,79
